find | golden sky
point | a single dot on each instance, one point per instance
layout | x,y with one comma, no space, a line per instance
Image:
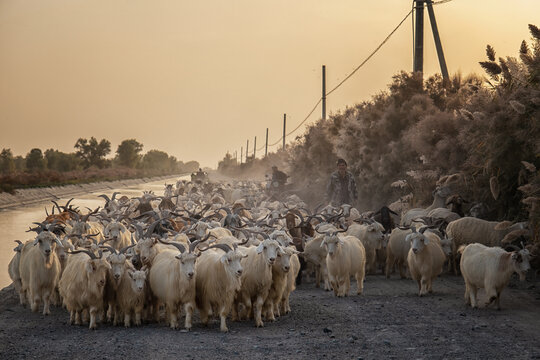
198,78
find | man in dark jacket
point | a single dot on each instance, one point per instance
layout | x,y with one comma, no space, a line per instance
341,188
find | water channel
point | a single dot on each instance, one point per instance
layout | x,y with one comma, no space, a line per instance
15,222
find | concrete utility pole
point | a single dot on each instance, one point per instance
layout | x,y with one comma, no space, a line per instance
266,146
247,150
324,92
419,37
284,127
437,39
241,154
254,147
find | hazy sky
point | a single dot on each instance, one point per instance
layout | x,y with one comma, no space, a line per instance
198,78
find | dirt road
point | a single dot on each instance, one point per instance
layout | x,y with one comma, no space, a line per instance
388,321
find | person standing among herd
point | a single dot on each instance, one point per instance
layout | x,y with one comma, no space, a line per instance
341,188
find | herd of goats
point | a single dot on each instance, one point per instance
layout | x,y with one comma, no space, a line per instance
231,250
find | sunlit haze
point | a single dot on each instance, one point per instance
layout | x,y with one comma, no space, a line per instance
199,78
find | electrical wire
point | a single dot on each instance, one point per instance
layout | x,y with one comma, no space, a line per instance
356,69
370,55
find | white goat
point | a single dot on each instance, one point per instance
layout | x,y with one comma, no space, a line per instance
13,270
82,285
345,257
425,259
490,268
40,269
256,279
217,281
172,282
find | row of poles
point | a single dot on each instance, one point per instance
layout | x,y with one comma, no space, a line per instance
418,65
284,127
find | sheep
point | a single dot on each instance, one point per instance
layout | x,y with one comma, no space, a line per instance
13,270
82,285
439,200
490,268
39,269
256,279
131,295
443,213
172,282
456,204
345,257
371,236
425,259
218,278
470,230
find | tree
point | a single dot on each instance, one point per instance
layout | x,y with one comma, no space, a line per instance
60,161
156,160
91,152
35,160
128,153
7,164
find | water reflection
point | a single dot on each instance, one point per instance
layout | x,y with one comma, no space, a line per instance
15,222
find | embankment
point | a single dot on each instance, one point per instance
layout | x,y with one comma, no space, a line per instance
24,197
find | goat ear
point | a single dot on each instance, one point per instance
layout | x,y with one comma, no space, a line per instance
260,248
323,243
341,242
224,260
408,237
426,240
371,228
130,273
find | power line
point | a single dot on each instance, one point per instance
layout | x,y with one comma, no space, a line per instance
354,71
372,53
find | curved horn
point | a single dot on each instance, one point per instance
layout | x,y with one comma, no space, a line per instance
87,252
223,247
124,249
114,195
85,217
57,206
107,200
180,247
110,248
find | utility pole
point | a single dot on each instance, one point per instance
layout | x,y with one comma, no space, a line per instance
247,150
437,39
241,154
324,92
254,147
284,127
419,37
266,146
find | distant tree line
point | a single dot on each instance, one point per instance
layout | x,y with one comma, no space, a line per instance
91,153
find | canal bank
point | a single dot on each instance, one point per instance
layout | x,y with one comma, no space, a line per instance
24,197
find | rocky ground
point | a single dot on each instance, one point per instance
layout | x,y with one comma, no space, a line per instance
388,321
